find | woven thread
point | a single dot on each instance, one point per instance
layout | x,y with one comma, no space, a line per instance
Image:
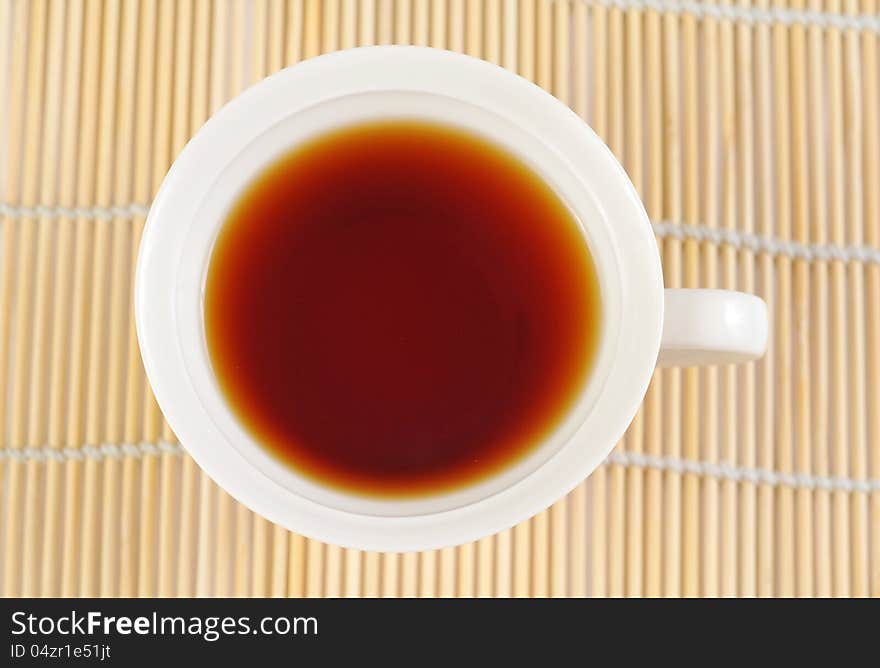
750,15
723,471
769,245
719,471
74,212
663,229
94,452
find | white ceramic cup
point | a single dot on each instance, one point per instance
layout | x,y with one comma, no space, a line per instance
640,320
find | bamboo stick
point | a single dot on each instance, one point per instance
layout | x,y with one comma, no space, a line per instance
510,33
148,570
332,572
465,567
205,538
385,21
135,379
97,381
693,553
6,21
353,567
492,30
804,582
37,432
579,59
785,527
348,25
294,37
13,87
177,472
871,156
746,554
118,321
853,139
409,575
62,298
330,25
701,270
634,164
259,37
428,575
653,484
731,435
841,583
7,277
85,189
311,30
438,24
672,199
372,575
447,578
819,306
243,572
473,28
296,555
527,30
767,365
275,47
502,575
456,25
521,586
146,585
391,575
485,559
420,22
314,568
544,43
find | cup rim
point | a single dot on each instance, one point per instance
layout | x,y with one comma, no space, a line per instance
416,69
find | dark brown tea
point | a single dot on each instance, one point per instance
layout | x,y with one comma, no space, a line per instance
400,308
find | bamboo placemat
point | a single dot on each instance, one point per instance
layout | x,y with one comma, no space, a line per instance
752,132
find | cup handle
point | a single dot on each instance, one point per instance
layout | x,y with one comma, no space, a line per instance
712,327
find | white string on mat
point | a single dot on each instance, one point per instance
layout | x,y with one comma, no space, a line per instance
720,471
95,452
751,15
662,228
769,245
96,212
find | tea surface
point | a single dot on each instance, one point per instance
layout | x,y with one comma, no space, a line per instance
400,308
